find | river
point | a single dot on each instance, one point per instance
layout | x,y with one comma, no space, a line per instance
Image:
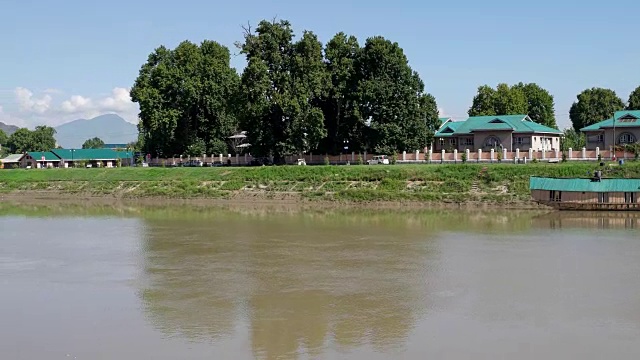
195,283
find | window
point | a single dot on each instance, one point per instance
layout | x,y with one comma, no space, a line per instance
600,138
468,141
603,197
629,197
441,141
626,138
452,141
491,141
555,195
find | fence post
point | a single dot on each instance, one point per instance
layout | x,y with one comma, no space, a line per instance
479,155
467,152
597,152
584,153
404,156
518,153
430,155
504,154
544,154
492,155
530,153
353,156
557,154
570,153
455,155
417,155
442,157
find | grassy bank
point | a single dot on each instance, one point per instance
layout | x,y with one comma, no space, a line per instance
432,183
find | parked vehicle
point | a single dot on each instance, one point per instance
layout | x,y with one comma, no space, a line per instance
379,160
302,162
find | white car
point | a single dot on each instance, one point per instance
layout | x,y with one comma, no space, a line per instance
379,160
302,162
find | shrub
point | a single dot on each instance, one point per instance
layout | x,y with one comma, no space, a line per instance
464,157
326,160
360,162
499,156
564,157
394,159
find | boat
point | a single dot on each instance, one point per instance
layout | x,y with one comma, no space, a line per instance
591,193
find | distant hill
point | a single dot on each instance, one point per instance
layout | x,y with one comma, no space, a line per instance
110,128
8,129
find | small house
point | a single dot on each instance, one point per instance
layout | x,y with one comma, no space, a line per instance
40,159
11,162
595,193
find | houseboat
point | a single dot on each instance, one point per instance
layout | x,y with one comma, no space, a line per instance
596,193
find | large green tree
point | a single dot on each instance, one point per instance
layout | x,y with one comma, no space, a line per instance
594,105
518,99
186,98
540,104
279,87
94,143
340,104
634,100
40,139
391,98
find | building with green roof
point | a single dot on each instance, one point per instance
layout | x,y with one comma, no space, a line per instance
595,193
509,132
624,127
94,157
40,159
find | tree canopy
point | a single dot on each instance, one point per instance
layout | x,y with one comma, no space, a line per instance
40,139
95,143
186,98
294,96
594,105
634,100
3,138
527,99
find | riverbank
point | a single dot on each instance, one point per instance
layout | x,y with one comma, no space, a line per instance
448,185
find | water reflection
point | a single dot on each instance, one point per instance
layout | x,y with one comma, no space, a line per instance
300,281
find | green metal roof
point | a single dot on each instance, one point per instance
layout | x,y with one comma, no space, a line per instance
515,123
584,185
48,155
449,129
91,154
618,115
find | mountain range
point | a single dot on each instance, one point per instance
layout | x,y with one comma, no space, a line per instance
8,129
111,128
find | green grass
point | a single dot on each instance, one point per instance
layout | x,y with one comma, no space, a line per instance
446,183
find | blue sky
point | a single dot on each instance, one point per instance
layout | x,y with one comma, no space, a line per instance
63,60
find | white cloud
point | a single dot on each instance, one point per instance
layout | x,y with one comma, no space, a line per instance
43,108
28,103
441,112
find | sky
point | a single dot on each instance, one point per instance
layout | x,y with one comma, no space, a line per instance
65,60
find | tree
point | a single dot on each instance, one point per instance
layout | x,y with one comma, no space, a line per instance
540,104
572,139
43,138
594,105
21,141
390,98
95,143
40,139
279,87
503,100
186,98
529,99
340,105
3,138
634,100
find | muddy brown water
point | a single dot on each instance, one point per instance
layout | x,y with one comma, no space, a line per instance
222,284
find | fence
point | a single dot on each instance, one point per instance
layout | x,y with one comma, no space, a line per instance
425,156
